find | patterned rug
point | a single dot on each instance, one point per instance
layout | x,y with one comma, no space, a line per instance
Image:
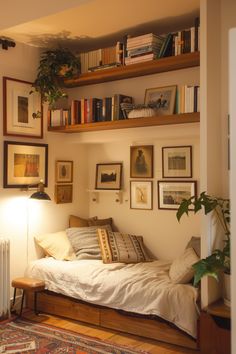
23,336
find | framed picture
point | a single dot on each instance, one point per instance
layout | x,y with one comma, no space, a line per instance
20,109
171,193
64,171
24,164
141,195
162,99
177,161
141,161
63,193
108,175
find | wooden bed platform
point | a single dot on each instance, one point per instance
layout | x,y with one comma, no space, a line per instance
140,325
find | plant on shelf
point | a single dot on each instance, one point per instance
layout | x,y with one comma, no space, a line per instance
219,260
55,65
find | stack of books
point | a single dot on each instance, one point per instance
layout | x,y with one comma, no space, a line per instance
143,48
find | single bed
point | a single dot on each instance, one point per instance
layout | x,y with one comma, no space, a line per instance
142,288
108,278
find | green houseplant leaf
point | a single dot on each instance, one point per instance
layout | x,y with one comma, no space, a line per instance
219,260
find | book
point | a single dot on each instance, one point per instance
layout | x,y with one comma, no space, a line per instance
118,100
166,49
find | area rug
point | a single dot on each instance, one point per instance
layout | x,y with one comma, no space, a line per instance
23,336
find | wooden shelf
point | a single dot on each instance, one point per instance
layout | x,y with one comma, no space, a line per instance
178,62
129,123
219,309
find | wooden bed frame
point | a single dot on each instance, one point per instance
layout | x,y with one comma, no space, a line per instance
154,328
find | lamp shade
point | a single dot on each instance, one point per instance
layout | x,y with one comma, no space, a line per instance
40,194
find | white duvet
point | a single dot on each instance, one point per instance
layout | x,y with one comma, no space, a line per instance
143,288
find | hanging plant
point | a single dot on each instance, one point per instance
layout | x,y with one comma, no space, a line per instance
54,66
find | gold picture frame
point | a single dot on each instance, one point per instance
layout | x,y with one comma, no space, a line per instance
63,193
162,99
64,171
141,161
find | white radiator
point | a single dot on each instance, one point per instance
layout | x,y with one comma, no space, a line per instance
4,278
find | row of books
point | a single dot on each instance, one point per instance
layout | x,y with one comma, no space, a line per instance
187,99
102,58
90,110
131,50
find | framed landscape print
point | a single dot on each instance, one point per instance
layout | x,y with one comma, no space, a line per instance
141,161
64,171
177,162
108,176
63,193
20,109
171,193
162,99
141,195
25,164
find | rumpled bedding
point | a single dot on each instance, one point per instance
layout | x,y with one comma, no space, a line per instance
143,288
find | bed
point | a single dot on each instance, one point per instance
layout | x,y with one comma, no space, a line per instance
138,298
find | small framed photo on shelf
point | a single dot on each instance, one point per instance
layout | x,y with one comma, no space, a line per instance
141,161
141,195
171,193
63,193
177,161
108,176
64,171
22,109
24,164
162,99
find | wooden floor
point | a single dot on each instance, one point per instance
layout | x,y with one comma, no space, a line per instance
131,341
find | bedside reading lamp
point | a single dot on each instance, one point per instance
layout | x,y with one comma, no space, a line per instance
40,194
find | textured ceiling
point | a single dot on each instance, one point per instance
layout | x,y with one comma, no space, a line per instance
103,22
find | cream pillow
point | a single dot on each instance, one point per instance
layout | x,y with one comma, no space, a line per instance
56,245
181,270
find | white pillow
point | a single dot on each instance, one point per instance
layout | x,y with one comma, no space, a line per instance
56,245
181,270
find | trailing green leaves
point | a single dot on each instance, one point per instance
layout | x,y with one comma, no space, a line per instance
55,65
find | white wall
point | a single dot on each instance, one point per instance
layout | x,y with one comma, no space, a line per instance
21,63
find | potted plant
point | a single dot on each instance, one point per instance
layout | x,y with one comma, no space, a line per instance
54,66
219,260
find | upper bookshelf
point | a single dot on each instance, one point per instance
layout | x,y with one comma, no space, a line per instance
178,62
129,123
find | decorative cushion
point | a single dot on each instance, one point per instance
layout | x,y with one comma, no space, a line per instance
76,221
124,248
181,270
100,222
84,241
56,245
195,243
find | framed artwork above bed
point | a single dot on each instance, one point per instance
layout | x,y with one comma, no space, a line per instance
177,162
171,193
141,195
108,176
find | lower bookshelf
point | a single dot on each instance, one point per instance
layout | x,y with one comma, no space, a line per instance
129,123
